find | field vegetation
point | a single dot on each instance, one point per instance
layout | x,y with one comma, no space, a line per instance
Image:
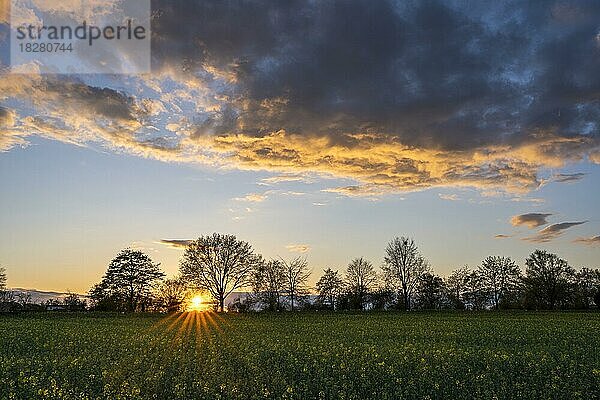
312,355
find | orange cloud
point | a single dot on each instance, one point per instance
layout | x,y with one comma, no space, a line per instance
551,232
591,241
531,220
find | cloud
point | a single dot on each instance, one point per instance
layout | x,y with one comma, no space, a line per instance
253,197
176,243
531,220
449,197
591,241
502,236
286,178
395,96
567,178
298,248
8,136
551,232
369,191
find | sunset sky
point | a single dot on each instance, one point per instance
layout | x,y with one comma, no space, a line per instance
319,129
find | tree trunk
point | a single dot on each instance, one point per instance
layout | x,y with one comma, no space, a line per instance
221,303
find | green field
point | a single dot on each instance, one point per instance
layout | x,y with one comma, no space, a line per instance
301,356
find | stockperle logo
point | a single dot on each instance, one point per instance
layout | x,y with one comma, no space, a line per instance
80,36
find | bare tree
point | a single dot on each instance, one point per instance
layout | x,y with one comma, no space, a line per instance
24,299
296,275
170,294
218,264
498,276
404,266
360,280
329,287
72,302
269,283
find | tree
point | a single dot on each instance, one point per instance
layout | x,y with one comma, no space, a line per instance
2,279
475,296
381,296
431,292
548,279
296,276
72,302
498,276
170,294
24,299
456,285
360,280
7,297
404,266
269,283
218,264
128,281
329,286
587,285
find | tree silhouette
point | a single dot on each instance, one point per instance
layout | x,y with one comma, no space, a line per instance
456,285
269,283
498,276
360,280
431,292
476,297
170,294
72,302
2,279
587,285
296,274
329,287
548,279
128,281
404,266
218,264
6,296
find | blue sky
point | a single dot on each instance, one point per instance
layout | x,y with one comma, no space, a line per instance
319,130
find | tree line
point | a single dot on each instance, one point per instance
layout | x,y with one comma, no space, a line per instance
221,264
18,300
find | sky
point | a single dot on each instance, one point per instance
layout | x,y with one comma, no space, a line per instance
314,129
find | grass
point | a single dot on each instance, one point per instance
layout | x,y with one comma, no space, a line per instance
519,355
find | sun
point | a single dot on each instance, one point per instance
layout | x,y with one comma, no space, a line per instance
198,303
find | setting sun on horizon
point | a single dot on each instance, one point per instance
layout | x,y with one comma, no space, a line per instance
199,302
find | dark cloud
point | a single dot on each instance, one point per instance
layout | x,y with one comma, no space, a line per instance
552,232
591,241
5,117
104,102
176,243
531,220
429,73
568,178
